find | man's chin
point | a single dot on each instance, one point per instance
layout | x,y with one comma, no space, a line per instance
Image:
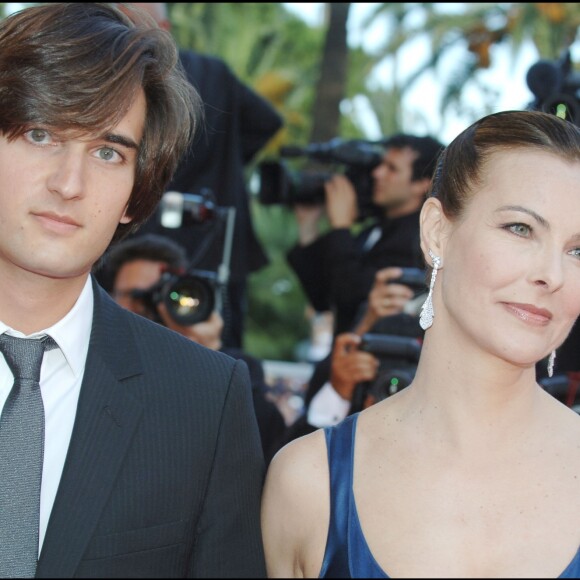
58,272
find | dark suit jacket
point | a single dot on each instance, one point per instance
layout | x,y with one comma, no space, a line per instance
164,471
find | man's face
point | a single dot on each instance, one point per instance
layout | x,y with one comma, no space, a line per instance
62,196
136,275
393,188
142,274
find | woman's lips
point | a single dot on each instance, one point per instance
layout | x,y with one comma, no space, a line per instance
529,313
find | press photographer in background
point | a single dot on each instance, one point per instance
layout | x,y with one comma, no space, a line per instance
337,268
374,360
151,278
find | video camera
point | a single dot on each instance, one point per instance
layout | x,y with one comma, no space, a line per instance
556,88
279,184
398,356
191,296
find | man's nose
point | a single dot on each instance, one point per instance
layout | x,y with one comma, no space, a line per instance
67,178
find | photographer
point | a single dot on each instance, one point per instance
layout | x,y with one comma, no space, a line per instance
337,269
353,376
136,266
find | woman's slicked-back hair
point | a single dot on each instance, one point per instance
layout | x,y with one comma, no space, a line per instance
77,67
460,167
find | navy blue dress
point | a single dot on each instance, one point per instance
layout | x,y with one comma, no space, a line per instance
347,554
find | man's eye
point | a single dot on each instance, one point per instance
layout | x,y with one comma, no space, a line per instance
38,135
109,154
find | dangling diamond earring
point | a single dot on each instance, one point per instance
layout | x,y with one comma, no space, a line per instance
427,314
551,362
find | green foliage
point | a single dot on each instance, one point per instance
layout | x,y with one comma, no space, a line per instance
469,27
256,39
277,306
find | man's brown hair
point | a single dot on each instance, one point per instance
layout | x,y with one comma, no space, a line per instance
77,68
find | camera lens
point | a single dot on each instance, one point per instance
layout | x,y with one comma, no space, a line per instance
391,382
189,300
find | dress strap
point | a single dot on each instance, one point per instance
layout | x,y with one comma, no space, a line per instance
340,447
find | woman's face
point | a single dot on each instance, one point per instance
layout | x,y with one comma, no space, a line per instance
511,265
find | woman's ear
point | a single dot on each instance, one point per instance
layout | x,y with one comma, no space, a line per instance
434,228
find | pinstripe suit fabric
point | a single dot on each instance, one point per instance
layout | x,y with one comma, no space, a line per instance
164,471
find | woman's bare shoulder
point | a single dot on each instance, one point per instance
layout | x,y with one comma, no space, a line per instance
296,508
300,462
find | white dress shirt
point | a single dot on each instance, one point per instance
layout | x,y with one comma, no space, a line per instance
61,375
327,407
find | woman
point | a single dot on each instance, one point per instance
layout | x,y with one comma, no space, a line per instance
473,470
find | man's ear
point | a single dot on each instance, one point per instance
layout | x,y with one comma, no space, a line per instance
434,228
126,218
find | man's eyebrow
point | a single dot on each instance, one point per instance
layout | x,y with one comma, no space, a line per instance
121,140
542,221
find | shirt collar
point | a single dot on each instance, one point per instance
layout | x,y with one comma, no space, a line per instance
72,333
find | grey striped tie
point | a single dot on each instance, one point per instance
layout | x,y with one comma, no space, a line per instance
21,455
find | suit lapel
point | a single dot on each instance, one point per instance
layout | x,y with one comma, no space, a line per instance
106,418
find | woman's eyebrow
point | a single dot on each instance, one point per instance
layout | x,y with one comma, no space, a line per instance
542,221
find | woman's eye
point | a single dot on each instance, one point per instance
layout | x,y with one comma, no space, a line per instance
575,252
520,229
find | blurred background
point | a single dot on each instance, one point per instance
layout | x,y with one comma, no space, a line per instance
364,71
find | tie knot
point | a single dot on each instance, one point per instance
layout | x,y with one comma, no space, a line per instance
24,355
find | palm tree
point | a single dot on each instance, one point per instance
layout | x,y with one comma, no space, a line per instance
331,87
471,30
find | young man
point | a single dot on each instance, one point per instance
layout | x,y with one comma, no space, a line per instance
152,459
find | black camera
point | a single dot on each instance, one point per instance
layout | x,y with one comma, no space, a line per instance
189,298
556,88
414,278
279,184
390,382
402,349
398,357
